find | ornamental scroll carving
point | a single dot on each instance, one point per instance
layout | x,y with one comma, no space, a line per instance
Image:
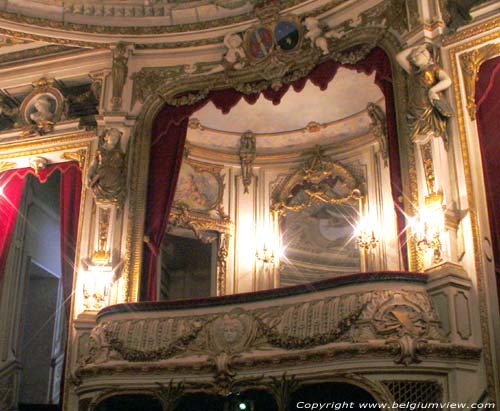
319,181
355,318
241,62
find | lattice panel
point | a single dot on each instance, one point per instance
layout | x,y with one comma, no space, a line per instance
415,391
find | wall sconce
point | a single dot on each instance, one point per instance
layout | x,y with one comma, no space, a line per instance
97,287
365,234
265,256
426,228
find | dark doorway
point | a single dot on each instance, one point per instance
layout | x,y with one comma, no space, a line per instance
130,402
186,268
341,396
250,400
42,324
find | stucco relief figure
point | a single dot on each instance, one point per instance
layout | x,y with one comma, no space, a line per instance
315,34
248,152
44,111
119,72
107,172
235,55
428,111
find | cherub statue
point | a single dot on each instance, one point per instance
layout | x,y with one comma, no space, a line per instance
107,173
43,113
235,55
315,34
428,111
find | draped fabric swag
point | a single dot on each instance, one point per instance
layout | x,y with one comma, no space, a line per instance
488,124
169,135
11,188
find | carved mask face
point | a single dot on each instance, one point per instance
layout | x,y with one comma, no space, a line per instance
231,330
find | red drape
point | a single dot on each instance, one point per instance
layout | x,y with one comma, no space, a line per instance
12,185
69,205
11,189
169,134
488,124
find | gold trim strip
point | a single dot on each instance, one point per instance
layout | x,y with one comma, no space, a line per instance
480,270
475,30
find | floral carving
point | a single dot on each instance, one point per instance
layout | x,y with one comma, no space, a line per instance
404,319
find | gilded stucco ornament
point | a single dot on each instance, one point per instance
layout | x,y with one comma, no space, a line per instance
38,163
119,71
248,152
79,156
319,180
42,108
251,73
315,34
107,174
428,111
235,54
7,165
471,62
379,129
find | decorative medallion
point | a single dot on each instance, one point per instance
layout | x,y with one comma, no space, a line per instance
265,39
42,108
259,42
287,34
200,187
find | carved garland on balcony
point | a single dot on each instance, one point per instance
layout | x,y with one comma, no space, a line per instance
404,319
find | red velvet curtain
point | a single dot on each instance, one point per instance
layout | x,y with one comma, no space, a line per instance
69,204
169,134
11,189
12,185
488,124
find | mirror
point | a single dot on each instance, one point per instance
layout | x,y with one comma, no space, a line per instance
318,207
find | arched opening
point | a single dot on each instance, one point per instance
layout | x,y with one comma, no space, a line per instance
168,139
